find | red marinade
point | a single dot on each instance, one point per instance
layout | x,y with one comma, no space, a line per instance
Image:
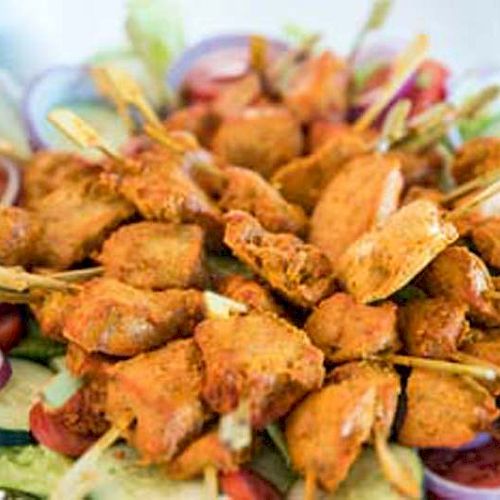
479,467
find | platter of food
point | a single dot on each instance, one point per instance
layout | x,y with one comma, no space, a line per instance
252,268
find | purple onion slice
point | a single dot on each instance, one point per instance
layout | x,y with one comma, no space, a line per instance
5,370
10,192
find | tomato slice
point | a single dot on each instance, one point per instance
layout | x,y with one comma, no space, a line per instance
248,485
49,431
11,327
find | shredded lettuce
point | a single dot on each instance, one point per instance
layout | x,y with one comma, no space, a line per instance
155,30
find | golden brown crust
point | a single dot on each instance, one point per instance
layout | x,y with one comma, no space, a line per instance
261,138
298,271
364,193
259,358
444,410
346,330
155,255
160,390
486,238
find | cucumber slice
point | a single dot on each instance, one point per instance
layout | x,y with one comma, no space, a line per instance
17,396
124,479
365,480
31,469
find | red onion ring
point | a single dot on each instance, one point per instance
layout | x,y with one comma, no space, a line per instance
5,370
231,47
12,188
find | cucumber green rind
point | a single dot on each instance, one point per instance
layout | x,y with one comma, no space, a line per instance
15,438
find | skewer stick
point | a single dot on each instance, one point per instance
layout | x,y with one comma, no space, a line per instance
105,86
166,140
211,483
394,126
377,17
258,53
81,133
80,478
310,492
475,371
463,357
478,182
8,150
396,473
405,64
14,297
16,279
131,93
78,274
479,198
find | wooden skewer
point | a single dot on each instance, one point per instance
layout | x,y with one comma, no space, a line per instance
11,297
107,89
211,483
131,93
258,53
463,357
8,150
81,133
395,472
78,274
165,139
310,491
80,478
394,126
443,366
483,195
405,64
16,279
467,187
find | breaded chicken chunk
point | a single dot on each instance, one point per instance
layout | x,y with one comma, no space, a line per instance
259,358
346,330
261,138
160,391
113,318
445,410
298,271
156,255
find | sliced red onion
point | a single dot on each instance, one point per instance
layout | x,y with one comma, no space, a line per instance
5,370
12,188
220,57
455,491
54,87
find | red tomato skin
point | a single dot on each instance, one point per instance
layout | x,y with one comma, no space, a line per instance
11,327
248,485
52,433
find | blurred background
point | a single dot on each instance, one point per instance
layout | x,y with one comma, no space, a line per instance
35,34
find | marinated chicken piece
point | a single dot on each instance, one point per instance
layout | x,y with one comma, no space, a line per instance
485,345
249,292
208,450
47,171
420,170
445,410
477,156
160,390
486,238
197,119
302,180
156,255
85,412
162,190
298,271
462,276
433,328
363,194
326,431
422,193
50,310
20,232
323,130
259,358
261,138
387,258
248,191
113,318
387,384
318,87
76,219
346,330
81,363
